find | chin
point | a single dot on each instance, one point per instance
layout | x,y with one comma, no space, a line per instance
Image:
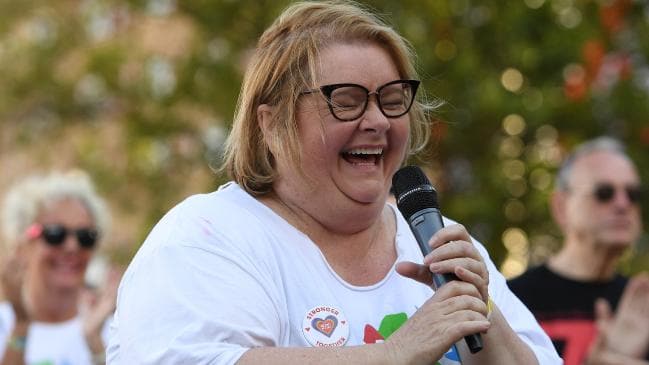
67,280
619,243
368,196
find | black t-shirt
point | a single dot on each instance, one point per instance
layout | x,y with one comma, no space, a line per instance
565,307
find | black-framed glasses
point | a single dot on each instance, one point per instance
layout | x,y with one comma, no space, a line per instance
55,234
348,102
604,193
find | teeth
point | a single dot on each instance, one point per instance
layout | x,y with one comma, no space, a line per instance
366,151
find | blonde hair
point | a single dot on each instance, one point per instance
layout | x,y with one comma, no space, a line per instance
284,64
27,198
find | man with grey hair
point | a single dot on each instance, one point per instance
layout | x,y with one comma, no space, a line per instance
596,204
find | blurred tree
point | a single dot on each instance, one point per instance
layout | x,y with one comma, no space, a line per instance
141,94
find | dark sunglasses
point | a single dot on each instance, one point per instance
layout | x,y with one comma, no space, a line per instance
55,234
604,193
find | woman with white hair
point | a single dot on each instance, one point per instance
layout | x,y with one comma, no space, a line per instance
51,225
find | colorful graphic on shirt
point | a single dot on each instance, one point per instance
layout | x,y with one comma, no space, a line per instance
325,326
390,324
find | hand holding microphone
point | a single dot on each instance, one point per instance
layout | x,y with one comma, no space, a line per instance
454,260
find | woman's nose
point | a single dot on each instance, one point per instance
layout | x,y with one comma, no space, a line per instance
373,119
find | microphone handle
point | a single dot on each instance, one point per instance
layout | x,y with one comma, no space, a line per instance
424,224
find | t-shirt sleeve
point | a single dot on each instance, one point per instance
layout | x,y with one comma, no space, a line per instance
186,303
517,315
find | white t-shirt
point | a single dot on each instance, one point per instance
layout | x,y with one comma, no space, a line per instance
222,273
49,344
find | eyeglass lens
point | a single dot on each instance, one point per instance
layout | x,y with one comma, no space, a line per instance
55,234
349,102
605,193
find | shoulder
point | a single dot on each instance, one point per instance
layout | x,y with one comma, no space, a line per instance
530,277
615,289
620,281
206,228
227,225
532,285
229,203
226,215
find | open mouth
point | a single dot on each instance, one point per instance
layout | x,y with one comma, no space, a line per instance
363,156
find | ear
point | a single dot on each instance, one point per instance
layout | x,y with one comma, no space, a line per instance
558,207
265,116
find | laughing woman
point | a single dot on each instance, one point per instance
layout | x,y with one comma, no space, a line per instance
300,260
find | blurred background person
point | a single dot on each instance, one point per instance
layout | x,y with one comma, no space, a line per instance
52,225
596,204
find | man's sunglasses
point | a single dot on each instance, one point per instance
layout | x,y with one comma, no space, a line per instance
55,234
604,193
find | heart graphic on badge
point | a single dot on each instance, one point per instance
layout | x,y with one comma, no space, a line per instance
325,326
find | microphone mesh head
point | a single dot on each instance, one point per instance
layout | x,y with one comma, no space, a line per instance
413,191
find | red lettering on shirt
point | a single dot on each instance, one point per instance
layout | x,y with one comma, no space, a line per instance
577,334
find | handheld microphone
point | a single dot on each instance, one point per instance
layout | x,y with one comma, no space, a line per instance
417,202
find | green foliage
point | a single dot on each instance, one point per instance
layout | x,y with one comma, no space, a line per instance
140,93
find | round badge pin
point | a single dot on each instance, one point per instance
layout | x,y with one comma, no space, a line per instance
325,326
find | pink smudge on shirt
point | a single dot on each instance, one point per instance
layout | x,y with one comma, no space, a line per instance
206,227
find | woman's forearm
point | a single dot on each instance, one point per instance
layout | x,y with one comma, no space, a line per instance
376,354
502,346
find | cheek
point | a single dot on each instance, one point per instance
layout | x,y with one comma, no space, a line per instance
400,133
38,254
38,262
577,214
85,256
325,145
637,218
